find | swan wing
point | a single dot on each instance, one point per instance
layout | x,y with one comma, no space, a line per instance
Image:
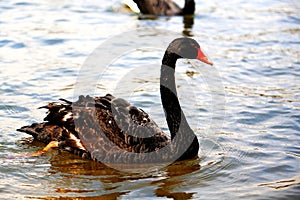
101,128
111,127
127,126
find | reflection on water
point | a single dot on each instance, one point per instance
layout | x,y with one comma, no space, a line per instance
98,180
65,175
188,22
294,181
251,152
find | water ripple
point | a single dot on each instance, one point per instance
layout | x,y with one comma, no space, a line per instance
255,47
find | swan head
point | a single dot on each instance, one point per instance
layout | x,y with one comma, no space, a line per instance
188,48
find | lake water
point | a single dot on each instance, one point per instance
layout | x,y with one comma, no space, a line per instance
245,110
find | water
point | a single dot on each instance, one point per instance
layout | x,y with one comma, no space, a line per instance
248,126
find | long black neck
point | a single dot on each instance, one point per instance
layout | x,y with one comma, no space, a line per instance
189,7
174,114
186,142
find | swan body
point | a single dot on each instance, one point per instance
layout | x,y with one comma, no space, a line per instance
161,7
88,126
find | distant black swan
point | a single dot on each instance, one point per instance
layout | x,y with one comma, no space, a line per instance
165,7
87,127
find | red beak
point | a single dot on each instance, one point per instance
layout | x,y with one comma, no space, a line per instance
203,57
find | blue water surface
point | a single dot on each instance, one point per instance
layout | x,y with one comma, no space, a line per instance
245,110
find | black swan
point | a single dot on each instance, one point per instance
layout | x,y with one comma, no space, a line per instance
164,7
110,130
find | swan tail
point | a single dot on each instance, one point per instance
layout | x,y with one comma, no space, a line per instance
43,132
